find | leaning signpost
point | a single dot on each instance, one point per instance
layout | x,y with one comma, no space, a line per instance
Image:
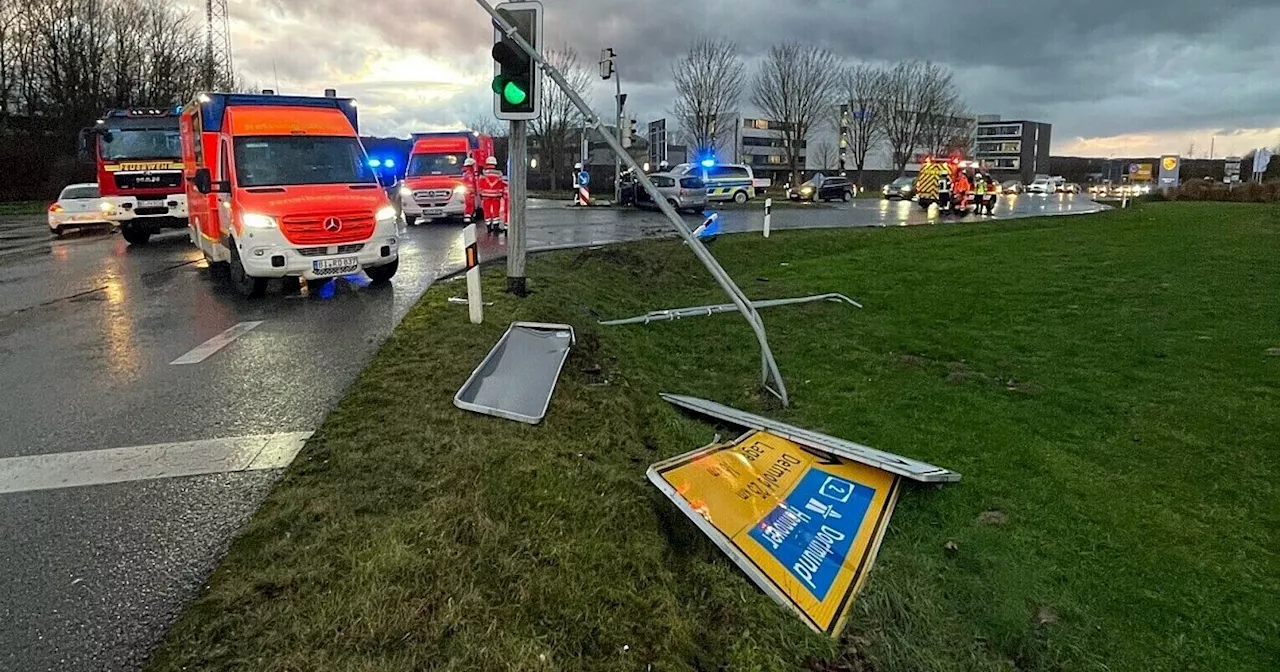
770,376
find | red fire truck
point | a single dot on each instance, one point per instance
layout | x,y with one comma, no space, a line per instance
138,156
433,185
280,187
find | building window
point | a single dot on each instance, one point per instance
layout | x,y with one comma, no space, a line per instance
1001,131
1007,164
1012,147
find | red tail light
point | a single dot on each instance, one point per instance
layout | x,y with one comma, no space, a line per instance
55,208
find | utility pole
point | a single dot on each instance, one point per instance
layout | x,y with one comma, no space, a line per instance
517,191
218,71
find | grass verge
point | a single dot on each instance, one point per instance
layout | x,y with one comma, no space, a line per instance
23,208
1106,384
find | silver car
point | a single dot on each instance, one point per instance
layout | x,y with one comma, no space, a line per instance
683,192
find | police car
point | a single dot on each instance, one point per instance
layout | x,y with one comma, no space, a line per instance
725,181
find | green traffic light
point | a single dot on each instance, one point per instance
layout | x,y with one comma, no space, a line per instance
514,94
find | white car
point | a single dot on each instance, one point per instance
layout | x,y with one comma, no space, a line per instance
1041,187
79,206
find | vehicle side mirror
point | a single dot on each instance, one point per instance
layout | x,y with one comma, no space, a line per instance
203,180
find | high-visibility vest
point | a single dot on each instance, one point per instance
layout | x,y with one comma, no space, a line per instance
979,185
491,184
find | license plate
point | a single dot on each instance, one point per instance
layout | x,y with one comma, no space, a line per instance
339,266
150,204
433,212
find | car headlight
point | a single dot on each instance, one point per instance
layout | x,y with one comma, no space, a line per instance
460,190
387,214
806,190
406,192
252,220
907,190
105,206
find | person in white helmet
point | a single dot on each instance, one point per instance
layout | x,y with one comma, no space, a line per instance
469,184
492,186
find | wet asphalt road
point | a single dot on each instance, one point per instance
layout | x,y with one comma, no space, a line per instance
88,326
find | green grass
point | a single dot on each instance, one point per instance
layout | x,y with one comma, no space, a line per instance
23,208
1103,382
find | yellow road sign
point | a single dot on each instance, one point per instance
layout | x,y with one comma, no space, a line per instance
803,524
1145,173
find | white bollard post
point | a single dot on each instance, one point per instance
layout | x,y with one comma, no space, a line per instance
474,301
768,215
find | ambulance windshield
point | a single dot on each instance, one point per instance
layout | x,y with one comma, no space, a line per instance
280,161
421,165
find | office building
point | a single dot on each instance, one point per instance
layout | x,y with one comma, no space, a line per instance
1013,149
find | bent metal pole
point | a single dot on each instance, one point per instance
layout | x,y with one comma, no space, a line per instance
768,365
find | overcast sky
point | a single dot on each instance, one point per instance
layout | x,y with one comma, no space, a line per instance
1130,77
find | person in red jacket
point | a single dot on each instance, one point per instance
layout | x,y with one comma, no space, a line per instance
493,190
469,183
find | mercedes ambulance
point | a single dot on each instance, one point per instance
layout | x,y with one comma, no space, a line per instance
433,186
280,187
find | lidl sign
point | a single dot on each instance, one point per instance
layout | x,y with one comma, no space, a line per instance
805,525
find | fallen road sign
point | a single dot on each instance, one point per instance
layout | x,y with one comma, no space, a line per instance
803,524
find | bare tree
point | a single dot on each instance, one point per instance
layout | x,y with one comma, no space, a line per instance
560,118
825,154
488,125
795,87
863,119
708,80
917,95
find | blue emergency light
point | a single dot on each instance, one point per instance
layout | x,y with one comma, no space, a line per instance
390,163
708,163
375,163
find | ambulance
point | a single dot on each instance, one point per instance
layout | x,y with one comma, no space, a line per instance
433,183
280,187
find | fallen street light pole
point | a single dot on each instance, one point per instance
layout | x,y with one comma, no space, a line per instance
707,311
517,190
768,365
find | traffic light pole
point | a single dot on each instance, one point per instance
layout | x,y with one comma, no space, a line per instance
617,158
517,192
769,372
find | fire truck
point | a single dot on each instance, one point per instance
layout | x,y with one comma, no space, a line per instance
433,186
280,187
138,156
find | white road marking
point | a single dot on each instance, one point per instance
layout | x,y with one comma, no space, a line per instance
139,463
208,348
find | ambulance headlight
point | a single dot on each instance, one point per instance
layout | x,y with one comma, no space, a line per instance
252,220
105,206
387,214
460,190
406,192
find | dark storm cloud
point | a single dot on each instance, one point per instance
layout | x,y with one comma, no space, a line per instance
1092,67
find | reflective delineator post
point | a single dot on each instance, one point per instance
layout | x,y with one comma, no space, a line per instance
474,301
768,215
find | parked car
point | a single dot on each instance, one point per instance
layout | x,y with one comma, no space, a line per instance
823,188
1045,186
78,206
1013,187
684,192
900,188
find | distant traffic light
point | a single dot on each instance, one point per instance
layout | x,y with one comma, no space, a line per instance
515,81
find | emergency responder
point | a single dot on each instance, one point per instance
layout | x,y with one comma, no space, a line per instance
960,193
493,191
944,191
993,192
979,193
469,184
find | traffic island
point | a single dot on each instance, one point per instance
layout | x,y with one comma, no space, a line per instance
1102,382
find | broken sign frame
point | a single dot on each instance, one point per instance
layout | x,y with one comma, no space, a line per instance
467,395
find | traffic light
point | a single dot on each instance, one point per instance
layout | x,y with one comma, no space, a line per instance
628,132
515,81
